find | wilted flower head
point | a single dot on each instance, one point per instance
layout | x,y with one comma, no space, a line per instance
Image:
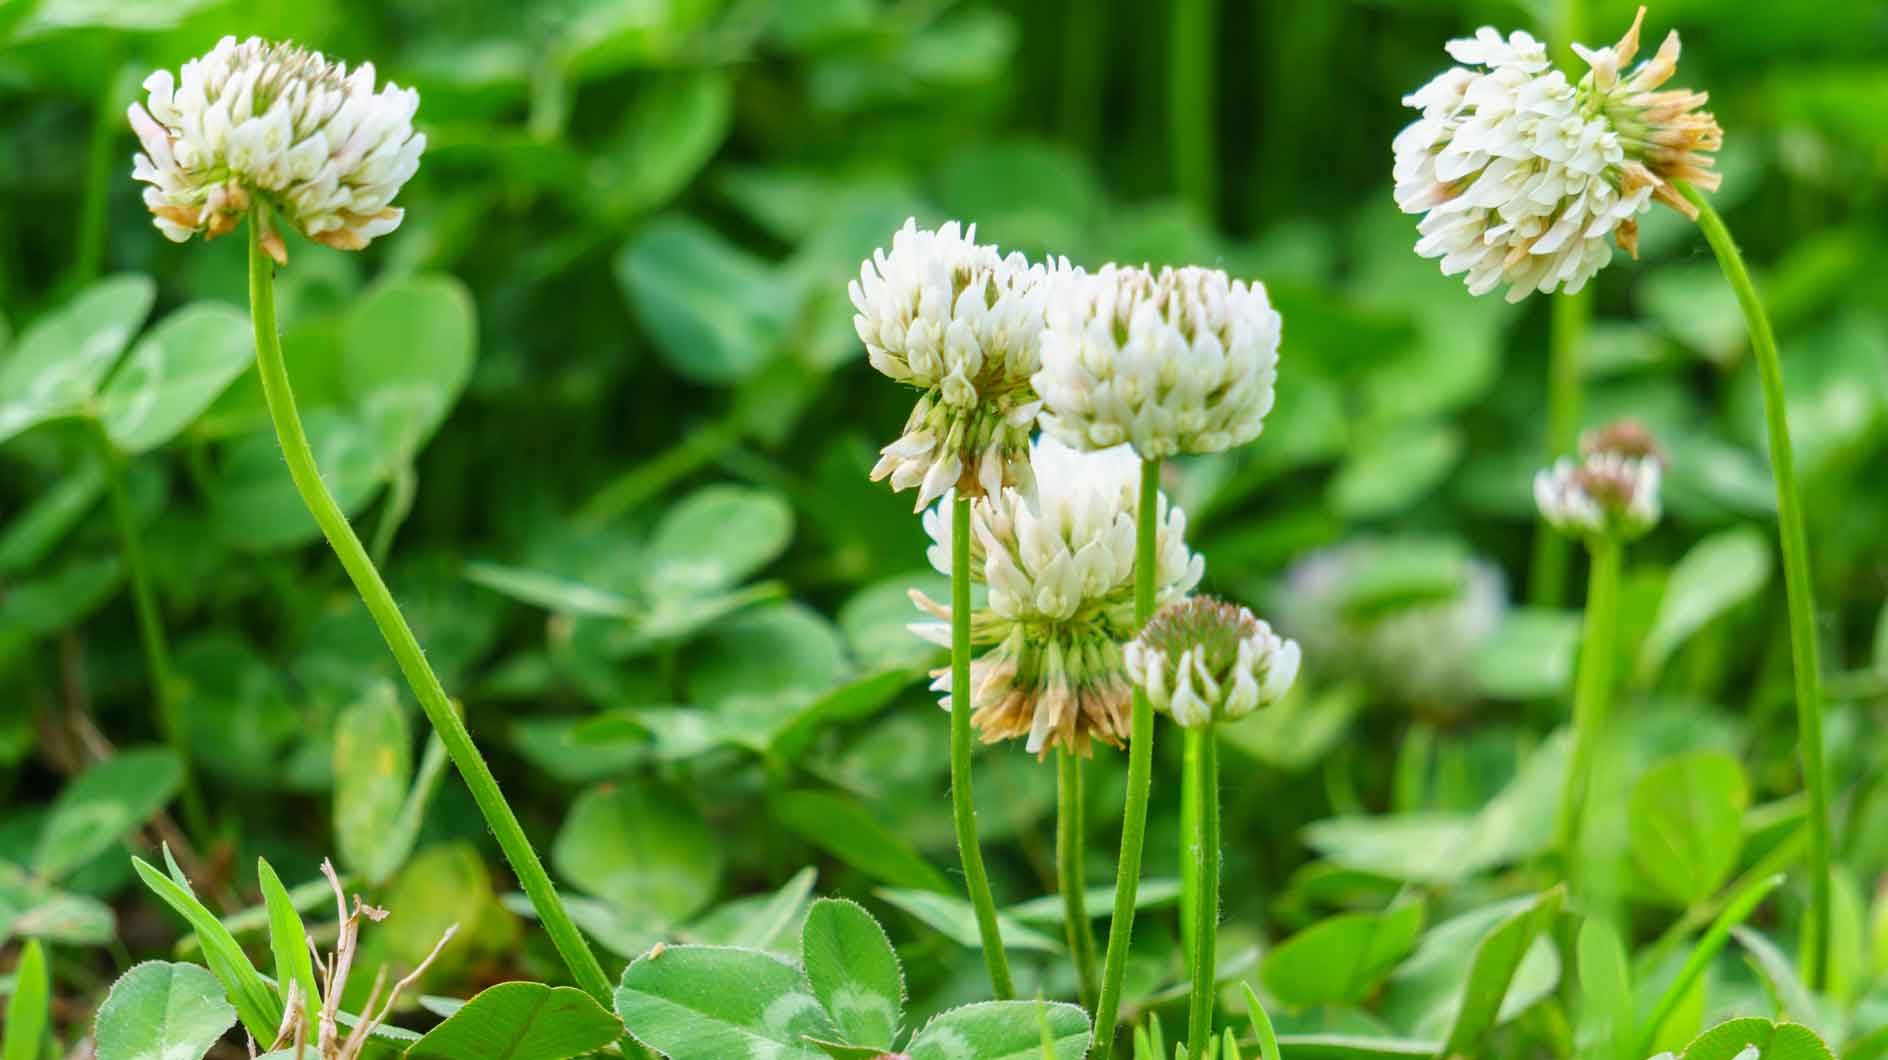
1522,175
317,143
1205,661
1613,489
1182,361
1059,567
961,322
1407,615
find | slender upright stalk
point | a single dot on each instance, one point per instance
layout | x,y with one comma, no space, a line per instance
1190,87
1188,855
1071,855
1566,345
1127,878
156,645
1798,587
399,636
1592,690
1205,844
102,172
1569,315
963,806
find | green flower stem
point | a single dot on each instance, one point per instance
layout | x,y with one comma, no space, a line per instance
399,636
151,628
1127,880
1189,829
1799,589
963,806
1190,86
1592,689
1203,745
1566,345
1071,854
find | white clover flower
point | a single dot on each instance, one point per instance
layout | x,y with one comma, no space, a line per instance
317,143
1182,361
1204,661
1406,615
1522,175
1612,490
1059,569
961,322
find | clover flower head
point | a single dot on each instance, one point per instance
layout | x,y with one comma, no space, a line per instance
1522,176
1179,361
1407,615
961,322
1058,567
314,140
1203,661
1612,490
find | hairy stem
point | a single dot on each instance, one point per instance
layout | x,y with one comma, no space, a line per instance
1071,855
963,806
156,645
1127,880
1205,843
399,636
1798,586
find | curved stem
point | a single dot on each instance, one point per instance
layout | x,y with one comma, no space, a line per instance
1592,691
963,806
399,636
1798,588
1206,908
1127,878
170,721
1566,344
1071,864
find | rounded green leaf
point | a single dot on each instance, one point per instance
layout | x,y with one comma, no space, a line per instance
715,538
163,1011
715,1002
108,800
642,848
373,766
58,362
715,312
406,355
257,506
1717,574
1773,1041
1004,1030
854,971
1340,959
521,1021
1687,824
766,661
173,374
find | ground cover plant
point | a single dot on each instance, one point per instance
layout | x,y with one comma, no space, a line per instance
931,531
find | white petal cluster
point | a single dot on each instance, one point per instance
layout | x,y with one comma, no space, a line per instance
1601,494
1183,361
1415,645
1058,565
1203,661
317,142
961,322
1519,182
